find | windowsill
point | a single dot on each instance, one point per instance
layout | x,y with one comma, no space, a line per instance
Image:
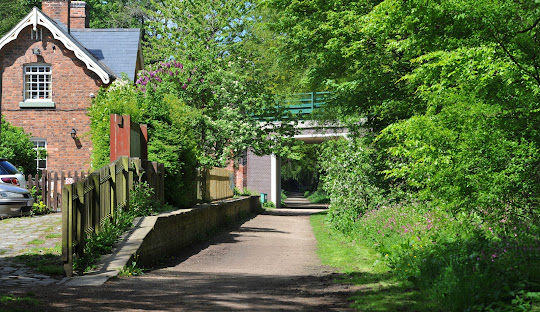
37,104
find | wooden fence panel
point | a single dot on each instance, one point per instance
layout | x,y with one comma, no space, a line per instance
51,185
67,229
89,201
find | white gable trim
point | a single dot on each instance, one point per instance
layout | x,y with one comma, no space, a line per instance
36,17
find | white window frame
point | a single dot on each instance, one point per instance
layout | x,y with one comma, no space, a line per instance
36,142
37,82
37,85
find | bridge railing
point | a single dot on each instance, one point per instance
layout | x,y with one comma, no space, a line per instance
304,103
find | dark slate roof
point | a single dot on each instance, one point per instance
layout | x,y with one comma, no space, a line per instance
117,48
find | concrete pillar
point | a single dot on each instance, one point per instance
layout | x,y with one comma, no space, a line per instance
275,193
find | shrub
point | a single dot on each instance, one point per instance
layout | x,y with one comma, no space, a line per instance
350,180
318,197
98,244
451,257
15,145
38,208
172,131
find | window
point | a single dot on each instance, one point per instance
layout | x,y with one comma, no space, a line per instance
40,146
37,83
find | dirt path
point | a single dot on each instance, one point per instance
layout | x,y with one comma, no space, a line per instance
267,264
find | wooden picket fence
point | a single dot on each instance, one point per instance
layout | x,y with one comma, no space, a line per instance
50,185
87,203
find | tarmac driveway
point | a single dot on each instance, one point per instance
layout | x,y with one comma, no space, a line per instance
267,264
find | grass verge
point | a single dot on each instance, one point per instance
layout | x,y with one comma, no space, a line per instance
379,290
12,303
46,261
317,197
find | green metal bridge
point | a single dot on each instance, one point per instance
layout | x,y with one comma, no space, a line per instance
304,103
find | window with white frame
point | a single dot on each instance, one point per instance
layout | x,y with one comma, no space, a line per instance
40,146
37,82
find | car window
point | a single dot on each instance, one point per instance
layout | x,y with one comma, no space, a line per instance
7,168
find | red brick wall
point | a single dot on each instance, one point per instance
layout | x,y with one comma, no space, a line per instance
240,174
79,15
57,10
72,84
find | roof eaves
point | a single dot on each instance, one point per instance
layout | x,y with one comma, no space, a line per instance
37,17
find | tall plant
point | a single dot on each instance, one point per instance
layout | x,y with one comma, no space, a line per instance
15,145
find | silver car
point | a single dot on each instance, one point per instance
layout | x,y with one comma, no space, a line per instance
10,175
15,201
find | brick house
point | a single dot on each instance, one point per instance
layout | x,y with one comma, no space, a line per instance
51,66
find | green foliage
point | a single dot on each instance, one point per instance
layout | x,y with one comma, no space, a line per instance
15,145
119,98
131,269
172,127
361,266
214,42
448,258
449,95
351,181
269,204
101,242
12,11
38,208
245,192
318,197
192,121
300,170
118,13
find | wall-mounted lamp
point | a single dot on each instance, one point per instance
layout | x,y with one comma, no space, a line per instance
73,133
36,51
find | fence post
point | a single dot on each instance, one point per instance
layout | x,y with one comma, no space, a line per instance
67,230
44,182
79,212
161,182
54,190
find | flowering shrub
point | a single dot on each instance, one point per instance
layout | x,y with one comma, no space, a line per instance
459,261
480,259
196,117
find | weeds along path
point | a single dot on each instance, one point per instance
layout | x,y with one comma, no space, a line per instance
267,264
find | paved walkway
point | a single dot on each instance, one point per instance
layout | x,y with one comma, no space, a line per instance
35,235
268,264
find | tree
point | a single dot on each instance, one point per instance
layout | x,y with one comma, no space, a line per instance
12,11
211,40
15,145
119,14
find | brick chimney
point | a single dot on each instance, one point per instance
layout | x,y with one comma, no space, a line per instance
58,10
79,15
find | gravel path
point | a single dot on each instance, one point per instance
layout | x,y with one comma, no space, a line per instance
267,264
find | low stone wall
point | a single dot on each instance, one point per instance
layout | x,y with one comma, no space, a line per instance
168,233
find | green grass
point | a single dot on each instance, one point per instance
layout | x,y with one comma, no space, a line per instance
317,197
53,235
379,290
11,303
46,261
36,242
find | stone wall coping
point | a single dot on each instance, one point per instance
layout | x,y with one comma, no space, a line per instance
130,243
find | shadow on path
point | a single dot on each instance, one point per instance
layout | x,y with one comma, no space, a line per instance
195,291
